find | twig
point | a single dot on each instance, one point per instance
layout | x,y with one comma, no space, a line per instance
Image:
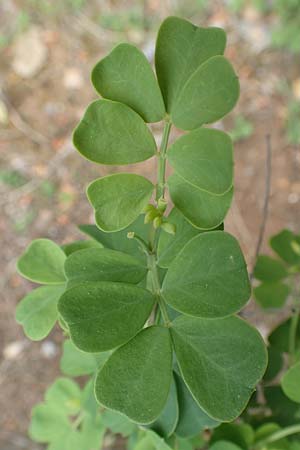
265,210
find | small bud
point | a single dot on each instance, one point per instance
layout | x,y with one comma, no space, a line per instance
130,235
150,216
296,247
169,227
157,222
162,204
149,208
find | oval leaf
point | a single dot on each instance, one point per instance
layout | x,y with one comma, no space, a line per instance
287,246
209,94
112,133
221,361
136,379
209,277
181,48
43,262
271,295
103,315
119,199
290,383
126,76
37,312
204,158
269,269
202,209
103,264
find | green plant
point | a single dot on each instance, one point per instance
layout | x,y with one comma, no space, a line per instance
150,300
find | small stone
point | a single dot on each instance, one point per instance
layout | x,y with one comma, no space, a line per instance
29,53
73,78
48,349
14,349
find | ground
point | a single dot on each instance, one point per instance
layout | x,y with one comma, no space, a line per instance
44,71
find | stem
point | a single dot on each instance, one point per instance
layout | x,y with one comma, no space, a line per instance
156,288
78,420
293,429
160,188
293,336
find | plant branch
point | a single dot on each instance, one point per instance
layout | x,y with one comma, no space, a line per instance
293,429
156,288
265,210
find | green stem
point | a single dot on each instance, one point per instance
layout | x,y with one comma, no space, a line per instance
293,429
293,336
160,188
78,420
156,288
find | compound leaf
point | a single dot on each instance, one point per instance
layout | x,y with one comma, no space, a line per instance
202,209
209,277
269,269
181,48
126,76
103,315
103,264
208,95
37,311
43,262
111,133
136,379
221,361
204,158
271,295
290,383
119,199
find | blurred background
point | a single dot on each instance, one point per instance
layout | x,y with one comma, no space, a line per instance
47,49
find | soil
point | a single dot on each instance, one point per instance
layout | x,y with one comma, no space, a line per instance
35,142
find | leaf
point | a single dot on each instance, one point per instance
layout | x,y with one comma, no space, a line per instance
271,295
170,245
241,434
269,269
202,209
37,311
143,368
43,262
48,423
75,363
279,338
117,423
103,315
65,395
111,133
221,361
126,76
80,245
92,433
165,424
290,383
119,199
181,48
275,363
192,419
119,240
208,95
224,445
284,244
209,277
103,264
284,411
204,158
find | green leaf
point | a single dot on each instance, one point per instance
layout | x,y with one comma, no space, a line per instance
271,295
180,49
284,411
290,383
284,244
48,423
209,277
269,269
117,423
221,361
119,240
65,395
202,209
37,311
103,315
275,363
143,368
126,76
43,262
80,245
111,133
192,419
75,363
170,245
208,95
92,433
279,338
165,424
119,199
204,158
241,434
103,264
224,445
